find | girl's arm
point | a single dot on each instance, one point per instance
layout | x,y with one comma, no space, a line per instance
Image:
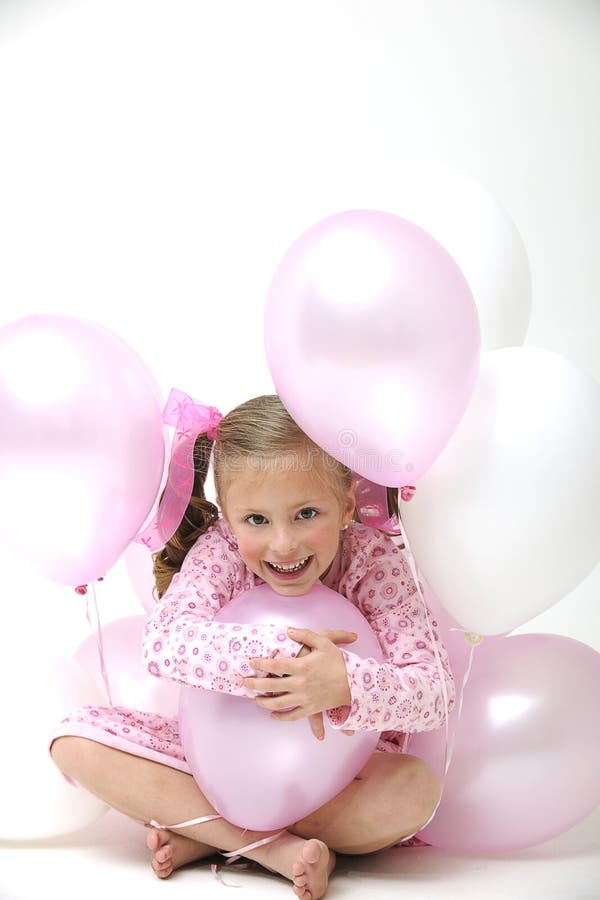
182,642
404,692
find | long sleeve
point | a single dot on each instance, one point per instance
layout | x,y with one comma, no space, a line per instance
404,692
182,642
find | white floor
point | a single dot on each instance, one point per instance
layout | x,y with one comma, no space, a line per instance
109,858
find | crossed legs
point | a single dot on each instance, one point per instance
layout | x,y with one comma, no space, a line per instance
391,798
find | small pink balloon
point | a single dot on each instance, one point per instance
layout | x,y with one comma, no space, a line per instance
130,683
138,564
525,763
258,772
372,339
82,445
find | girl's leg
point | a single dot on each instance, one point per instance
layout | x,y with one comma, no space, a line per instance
391,799
146,790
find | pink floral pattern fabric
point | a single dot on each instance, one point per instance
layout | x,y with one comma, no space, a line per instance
402,694
181,641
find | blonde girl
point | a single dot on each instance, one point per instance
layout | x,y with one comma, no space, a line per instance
283,504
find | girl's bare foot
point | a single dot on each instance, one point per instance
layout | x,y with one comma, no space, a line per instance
307,863
312,870
171,850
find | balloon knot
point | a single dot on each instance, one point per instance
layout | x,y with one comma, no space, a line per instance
471,637
407,492
81,589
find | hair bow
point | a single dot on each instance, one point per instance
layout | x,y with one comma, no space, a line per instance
372,507
189,419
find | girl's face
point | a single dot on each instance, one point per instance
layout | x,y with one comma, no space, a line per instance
282,514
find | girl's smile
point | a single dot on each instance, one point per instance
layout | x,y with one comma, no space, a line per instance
287,523
287,571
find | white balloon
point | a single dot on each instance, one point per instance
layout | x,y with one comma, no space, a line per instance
482,239
37,801
130,683
505,522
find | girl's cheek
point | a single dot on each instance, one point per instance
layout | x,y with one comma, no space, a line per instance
248,548
323,532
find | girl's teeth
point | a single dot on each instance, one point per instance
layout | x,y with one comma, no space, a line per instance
288,570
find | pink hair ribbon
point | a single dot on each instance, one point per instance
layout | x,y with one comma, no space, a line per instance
372,507
189,419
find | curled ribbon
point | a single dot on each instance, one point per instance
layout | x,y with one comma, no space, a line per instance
372,507
189,419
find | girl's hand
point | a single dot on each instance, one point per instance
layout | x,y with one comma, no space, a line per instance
315,680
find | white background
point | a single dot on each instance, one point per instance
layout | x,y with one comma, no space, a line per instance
157,158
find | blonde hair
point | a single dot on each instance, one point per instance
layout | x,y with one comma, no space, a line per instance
259,431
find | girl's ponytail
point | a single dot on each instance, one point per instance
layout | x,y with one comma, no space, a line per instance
199,516
393,509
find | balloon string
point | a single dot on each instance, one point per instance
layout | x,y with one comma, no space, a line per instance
215,869
461,694
415,573
98,640
197,821
235,854
449,750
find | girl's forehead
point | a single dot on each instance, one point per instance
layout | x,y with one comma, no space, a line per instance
292,473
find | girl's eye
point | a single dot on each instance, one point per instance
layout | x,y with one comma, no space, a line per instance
309,509
254,516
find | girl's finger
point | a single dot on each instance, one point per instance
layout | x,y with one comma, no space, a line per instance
290,715
281,665
306,636
316,725
318,639
340,637
267,685
276,702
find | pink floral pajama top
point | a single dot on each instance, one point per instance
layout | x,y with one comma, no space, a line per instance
181,641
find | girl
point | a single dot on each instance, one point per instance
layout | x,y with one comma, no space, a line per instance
287,518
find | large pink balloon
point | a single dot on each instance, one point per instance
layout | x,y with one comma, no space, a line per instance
525,764
261,773
372,339
82,450
129,681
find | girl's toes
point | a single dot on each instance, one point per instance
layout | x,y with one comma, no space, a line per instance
157,838
153,840
163,855
311,851
162,862
163,871
160,868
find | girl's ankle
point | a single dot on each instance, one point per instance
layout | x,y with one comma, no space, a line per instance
277,854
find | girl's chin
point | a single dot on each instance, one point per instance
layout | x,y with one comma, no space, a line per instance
293,590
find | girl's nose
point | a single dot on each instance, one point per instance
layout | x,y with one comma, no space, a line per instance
283,543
